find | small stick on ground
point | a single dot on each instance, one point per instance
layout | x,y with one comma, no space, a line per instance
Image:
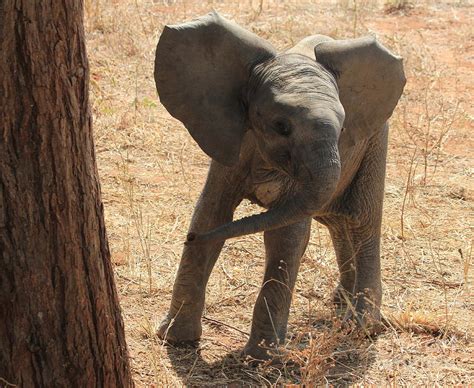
226,325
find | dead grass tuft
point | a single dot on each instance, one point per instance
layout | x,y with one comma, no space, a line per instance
402,7
422,322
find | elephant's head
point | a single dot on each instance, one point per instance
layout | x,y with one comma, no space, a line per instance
220,80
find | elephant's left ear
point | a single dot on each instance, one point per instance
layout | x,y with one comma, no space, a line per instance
370,80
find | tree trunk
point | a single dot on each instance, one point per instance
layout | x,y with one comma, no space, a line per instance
60,322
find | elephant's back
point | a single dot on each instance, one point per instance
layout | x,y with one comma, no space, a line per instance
306,46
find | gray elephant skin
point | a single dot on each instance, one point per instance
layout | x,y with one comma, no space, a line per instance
303,134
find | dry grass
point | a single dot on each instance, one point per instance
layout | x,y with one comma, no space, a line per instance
152,173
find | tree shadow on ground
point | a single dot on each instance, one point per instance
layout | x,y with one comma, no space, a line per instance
340,360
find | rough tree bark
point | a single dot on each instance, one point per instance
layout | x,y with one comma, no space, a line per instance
60,322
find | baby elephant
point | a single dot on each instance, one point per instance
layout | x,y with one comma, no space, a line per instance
303,134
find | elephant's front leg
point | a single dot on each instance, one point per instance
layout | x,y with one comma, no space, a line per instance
367,296
218,200
284,249
357,246
359,293
356,231
340,235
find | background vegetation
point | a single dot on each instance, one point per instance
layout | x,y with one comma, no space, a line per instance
152,173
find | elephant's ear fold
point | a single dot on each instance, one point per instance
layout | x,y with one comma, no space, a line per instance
370,80
201,70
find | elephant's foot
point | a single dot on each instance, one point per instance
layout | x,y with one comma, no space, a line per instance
259,353
341,299
179,330
369,322
359,309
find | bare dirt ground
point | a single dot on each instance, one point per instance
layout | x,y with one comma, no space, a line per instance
152,173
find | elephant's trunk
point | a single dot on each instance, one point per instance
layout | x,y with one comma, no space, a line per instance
306,203
277,217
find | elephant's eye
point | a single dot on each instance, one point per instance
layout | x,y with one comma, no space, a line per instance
282,128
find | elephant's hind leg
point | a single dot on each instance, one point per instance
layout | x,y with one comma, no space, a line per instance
284,249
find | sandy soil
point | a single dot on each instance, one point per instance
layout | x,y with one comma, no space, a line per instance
152,173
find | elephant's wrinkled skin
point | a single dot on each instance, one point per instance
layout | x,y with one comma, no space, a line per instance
302,133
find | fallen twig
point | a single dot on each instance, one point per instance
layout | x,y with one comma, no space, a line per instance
226,325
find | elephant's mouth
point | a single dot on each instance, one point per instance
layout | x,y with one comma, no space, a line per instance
309,198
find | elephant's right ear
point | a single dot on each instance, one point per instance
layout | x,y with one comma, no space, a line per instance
201,70
370,80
